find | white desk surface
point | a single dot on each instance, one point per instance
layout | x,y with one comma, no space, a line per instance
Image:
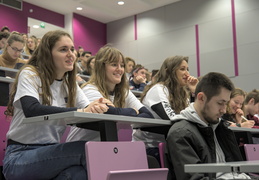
85,77
8,69
241,166
136,93
74,117
240,129
9,72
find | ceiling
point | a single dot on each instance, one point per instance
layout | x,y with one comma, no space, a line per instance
104,11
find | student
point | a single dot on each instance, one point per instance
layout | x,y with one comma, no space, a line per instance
138,79
166,96
30,46
5,29
46,85
130,65
251,106
235,110
12,51
199,136
3,39
109,81
89,66
82,61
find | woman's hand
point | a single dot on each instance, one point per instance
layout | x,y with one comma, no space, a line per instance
140,79
98,106
192,83
238,116
248,124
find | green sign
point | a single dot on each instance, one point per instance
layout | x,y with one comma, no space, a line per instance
42,25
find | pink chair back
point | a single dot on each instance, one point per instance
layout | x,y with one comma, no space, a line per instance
117,158
161,148
4,126
252,152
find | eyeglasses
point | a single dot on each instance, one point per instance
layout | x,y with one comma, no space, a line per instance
16,50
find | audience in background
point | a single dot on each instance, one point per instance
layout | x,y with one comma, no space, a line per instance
199,136
89,66
153,74
251,106
82,64
47,85
235,110
5,29
80,51
130,65
30,46
138,79
109,81
148,76
25,37
166,96
3,38
12,51
38,41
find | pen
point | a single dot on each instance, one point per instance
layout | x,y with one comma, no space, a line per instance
244,118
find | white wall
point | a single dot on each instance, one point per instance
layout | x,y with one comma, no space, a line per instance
170,30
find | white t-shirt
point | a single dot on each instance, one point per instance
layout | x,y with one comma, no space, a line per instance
92,94
39,133
157,94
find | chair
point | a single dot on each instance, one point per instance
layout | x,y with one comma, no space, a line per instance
251,152
4,124
120,160
161,148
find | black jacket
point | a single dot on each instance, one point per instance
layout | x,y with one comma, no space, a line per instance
191,143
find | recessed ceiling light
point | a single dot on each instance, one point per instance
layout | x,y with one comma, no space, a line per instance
35,26
79,8
120,2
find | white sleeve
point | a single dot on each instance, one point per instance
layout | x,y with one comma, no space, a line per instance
91,92
132,101
81,100
28,85
157,94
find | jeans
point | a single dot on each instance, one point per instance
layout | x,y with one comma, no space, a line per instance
59,161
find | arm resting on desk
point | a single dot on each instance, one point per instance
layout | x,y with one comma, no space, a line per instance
32,107
143,112
163,110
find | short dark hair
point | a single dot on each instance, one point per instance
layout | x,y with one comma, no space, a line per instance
212,83
86,52
4,35
5,28
253,94
154,72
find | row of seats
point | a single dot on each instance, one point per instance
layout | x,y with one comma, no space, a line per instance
133,153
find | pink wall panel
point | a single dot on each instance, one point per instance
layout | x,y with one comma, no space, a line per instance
88,33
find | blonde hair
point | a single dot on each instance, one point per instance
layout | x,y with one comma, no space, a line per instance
27,49
234,93
108,55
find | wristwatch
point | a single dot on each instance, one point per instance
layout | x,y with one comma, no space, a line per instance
238,124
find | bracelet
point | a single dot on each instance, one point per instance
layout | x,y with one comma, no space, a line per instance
238,124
